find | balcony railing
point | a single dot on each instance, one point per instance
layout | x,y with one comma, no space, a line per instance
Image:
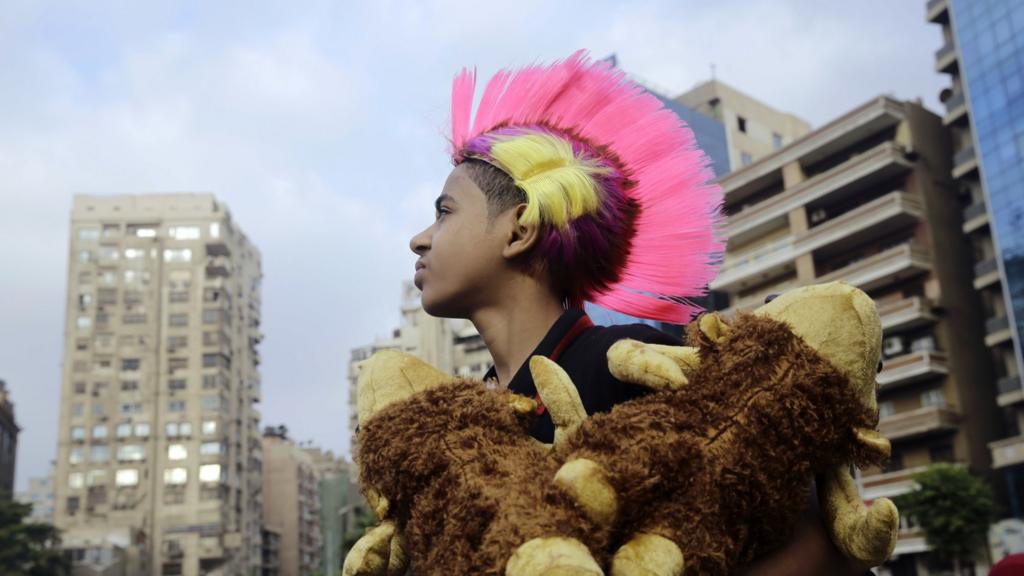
738,267
883,158
962,161
895,209
906,313
1007,452
973,211
920,422
1008,384
910,368
957,99
946,50
886,266
996,324
985,267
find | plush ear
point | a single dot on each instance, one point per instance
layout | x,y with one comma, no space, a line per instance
390,376
707,332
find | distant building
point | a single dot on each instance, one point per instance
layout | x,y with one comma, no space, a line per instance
40,496
8,442
291,502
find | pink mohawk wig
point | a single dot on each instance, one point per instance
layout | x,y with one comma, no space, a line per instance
632,218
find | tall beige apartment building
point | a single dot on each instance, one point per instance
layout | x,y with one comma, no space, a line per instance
291,502
868,198
158,460
752,128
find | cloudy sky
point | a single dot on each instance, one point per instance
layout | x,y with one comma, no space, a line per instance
321,125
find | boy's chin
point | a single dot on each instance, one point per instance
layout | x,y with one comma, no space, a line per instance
441,308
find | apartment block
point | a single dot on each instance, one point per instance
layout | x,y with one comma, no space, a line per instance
869,199
752,128
158,460
291,502
40,495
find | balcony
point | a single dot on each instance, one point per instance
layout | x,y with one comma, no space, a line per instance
906,314
997,330
956,108
755,266
898,262
986,273
218,248
919,423
864,121
975,216
945,58
878,217
964,162
938,11
890,484
1010,390
1007,452
911,368
873,166
218,267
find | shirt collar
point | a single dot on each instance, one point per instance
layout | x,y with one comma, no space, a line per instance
523,380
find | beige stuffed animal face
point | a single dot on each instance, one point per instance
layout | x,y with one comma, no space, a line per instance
842,324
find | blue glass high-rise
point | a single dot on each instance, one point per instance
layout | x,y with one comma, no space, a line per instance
990,36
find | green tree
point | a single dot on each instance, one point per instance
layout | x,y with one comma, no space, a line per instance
29,548
954,508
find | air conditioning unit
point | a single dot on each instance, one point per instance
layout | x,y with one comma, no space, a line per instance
892,346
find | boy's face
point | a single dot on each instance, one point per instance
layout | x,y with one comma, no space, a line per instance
461,252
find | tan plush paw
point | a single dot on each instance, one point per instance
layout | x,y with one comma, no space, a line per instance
584,480
714,327
867,535
553,556
648,555
655,366
371,554
559,396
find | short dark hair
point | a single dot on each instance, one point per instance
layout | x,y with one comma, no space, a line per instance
499,188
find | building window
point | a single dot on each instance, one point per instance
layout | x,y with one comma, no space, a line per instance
72,505
129,364
98,409
76,480
212,315
215,230
211,403
129,385
142,430
85,256
886,409
741,123
209,427
175,342
76,455
79,387
211,381
184,232
933,397
128,408
96,478
175,476
776,140
99,454
210,448
746,159
136,318
175,364
175,429
77,409
84,322
99,431
89,234
124,430
130,453
178,255
209,473
127,477
177,452
177,384
941,453
216,361
78,433
176,406
178,319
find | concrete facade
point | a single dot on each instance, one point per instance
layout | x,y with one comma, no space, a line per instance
291,503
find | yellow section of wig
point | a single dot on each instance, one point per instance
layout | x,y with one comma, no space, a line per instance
559,187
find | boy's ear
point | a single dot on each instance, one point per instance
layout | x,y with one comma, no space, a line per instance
521,237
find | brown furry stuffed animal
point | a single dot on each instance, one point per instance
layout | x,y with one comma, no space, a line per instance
703,476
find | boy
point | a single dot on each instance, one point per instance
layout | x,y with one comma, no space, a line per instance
574,185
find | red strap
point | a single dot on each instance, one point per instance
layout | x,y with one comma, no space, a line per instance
578,328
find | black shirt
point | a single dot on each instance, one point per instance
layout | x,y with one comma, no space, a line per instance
583,356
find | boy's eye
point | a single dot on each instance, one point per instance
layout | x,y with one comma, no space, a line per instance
441,212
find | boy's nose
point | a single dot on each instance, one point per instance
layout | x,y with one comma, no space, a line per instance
420,243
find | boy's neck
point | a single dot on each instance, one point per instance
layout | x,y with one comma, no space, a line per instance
515,326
